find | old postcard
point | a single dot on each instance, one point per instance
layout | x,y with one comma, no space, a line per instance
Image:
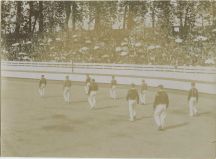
108,79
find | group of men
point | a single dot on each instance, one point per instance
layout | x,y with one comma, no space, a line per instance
160,105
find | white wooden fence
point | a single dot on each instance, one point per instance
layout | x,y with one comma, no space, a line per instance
169,76
194,69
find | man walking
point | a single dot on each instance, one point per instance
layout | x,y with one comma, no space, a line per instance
113,93
143,92
193,100
67,90
42,86
92,93
133,99
161,104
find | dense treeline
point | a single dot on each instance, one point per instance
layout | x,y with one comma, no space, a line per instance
29,17
37,22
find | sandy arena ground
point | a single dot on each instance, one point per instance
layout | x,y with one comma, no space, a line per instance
47,127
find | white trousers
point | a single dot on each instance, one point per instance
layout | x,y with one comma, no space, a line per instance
192,106
87,88
143,97
41,90
132,112
160,115
92,99
67,94
113,93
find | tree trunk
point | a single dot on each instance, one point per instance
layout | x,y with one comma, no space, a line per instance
153,15
74,14
18,17
36,17
181,23
214,12
130,21
97,24
41,27
124,18
181,19
68,12
30,14
185,27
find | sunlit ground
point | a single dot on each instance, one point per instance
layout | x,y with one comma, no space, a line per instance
34,126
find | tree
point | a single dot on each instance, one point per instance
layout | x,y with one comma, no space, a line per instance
74,14
102,13
6,16
67,12
132,9
166,16
124,17
18,17
203,7
41,17
153,12
213,4
53,16
30,15
186,13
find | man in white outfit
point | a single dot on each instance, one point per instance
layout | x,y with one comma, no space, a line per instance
133,99
92,94
113,93
143,92
161,104
67,89
193,100
42,86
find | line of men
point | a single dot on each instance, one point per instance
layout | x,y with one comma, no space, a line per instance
160,105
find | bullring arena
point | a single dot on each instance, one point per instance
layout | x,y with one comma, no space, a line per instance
35,126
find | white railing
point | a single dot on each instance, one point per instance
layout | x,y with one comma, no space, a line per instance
161,68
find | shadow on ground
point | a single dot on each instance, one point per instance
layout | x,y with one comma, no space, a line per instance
60,128
204,113
144,117
106,107
177,125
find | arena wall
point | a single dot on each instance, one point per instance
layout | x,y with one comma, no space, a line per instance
170,76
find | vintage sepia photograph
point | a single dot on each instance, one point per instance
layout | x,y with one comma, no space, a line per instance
108,79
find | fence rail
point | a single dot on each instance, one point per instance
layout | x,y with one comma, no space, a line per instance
161,68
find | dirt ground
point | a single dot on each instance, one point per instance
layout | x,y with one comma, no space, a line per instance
47,127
